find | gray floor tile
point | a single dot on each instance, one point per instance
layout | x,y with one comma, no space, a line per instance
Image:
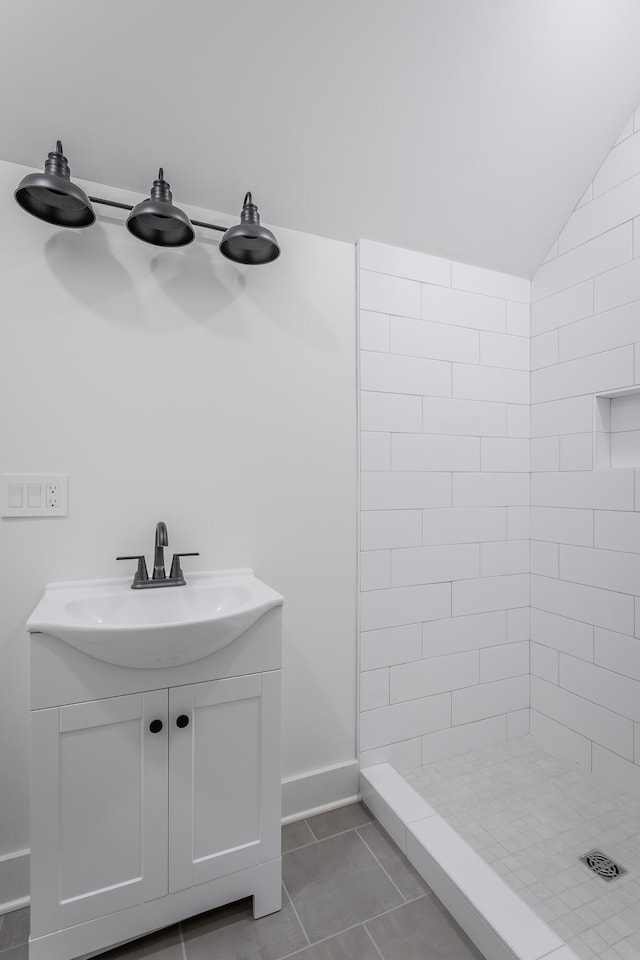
163,945
16,953
296,835
232,933
407,880
354,944
336,884
14,928
422,929
336,821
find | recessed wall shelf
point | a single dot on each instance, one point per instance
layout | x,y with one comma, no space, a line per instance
616,429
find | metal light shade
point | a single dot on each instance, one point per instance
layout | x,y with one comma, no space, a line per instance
157,221
51,195
249,241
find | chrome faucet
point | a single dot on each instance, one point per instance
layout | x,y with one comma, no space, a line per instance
159,579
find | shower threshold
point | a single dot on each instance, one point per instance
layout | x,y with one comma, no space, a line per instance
519,808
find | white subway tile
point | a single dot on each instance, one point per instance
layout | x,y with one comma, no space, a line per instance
502,558
436,675
618,286
470,418
574,415
599,490
374,689
626,131
608,569
382,648
612,768
592,605
602,214
544,350
583,717
617,530
544,558
608,689
420,338
489,699
625,449
603,371
490,282
374,331
518,624
617,652
464,525
518,523
636,237
518,420
434,564
489,593
553,252
456,634
386,373
375,451
403,721
468,736
406,755
431,452
576,451
561,308
519,319
490,383
562,525
604,331
588,260
504,455
375,569
404,491
544,663
460,309
402,605
490,489
383,529
622,162
518,724
562,634
586,197
508,660
392,412
384,258
561,739
386,294
503,350
545,454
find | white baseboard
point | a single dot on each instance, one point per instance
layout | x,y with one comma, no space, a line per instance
317,791
14,881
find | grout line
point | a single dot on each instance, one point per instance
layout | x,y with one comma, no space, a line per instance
293,906
182,943
370,935
388,876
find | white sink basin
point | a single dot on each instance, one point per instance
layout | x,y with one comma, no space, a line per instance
161,627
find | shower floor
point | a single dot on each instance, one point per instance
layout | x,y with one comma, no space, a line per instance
530,814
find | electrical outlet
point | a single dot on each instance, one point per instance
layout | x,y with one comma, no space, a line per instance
52,500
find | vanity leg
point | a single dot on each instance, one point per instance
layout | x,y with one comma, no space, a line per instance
267,894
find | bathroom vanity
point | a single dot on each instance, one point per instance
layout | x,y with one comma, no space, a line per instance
155,790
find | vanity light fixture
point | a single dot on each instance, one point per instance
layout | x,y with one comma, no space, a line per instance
53,197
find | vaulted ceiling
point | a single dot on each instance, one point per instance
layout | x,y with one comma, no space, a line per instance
464,128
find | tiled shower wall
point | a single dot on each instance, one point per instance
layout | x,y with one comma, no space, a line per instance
444,416
585,496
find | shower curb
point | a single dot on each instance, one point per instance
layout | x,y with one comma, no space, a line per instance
496,919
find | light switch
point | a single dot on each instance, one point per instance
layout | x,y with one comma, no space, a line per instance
15,495
34,495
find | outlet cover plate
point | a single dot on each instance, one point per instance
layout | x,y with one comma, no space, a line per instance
33,495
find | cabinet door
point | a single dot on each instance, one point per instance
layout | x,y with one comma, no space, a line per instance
224,777
99,808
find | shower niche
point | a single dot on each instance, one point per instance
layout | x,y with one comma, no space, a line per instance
616,432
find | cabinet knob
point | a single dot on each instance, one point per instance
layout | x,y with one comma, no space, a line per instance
155,726
182,721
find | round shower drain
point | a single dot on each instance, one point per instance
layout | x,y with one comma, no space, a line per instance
604,866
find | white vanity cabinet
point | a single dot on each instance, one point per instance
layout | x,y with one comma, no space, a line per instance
155,794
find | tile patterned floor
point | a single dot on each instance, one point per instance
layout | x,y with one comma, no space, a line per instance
348,894
530,814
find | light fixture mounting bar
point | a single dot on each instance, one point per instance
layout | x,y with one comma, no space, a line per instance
128,206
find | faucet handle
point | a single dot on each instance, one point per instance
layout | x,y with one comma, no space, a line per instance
141,573
176,570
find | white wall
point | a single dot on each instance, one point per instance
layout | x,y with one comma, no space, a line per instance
175,385
585,519
444,417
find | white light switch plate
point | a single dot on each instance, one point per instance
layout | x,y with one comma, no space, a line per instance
33,496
